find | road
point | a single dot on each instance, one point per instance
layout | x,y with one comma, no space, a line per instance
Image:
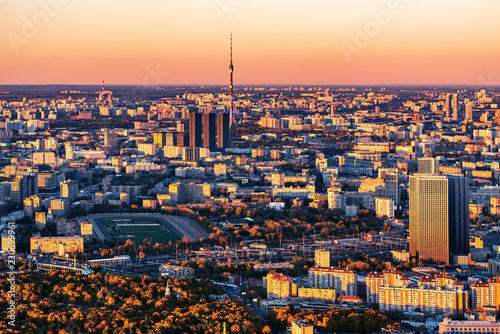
235,294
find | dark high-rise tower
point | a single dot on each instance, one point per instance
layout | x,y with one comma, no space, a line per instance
195,138
391,182
223,130
439,217
231,68
209,133
447,105
454,107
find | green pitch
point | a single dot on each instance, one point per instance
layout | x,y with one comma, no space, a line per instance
138,228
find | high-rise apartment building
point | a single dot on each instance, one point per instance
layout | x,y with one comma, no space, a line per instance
110,139
447,105
391,182
278,179
223,125
182,139
344,281
59,207
441,293
182,192
162,139
376,280
69,189
454,107
5,192
322,258
486,293
429,301
69,151
209,130
439,217
195,131
24,185
32,204
336,199
279,286
384,207
191,154
468,111
49,158
428,166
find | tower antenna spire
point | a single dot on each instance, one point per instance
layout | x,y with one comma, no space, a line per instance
231,68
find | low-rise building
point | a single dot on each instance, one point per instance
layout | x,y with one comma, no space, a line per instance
302,327
468,326
176,271
317,294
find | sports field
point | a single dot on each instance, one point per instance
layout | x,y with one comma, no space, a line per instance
138,229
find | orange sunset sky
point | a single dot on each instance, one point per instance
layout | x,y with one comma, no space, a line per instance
275,41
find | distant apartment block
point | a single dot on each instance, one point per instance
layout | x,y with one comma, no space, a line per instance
61,245
317,294
448,326
279,286
344,281
176,271
69,189
183,192
322,258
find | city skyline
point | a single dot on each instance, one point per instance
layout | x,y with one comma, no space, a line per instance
318,43
232,166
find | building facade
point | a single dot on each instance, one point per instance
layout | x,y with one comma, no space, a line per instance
375,280
448,326
52,244
176,271
279,286
322,258
195,131
429,301
439,217
486,294
344,281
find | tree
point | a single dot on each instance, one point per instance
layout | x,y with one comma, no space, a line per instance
235,328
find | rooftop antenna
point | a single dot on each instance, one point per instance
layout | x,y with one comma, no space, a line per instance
231,68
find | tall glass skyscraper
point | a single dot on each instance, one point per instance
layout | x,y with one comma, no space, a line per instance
439,217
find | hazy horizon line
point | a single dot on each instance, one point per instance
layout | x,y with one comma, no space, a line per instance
258,85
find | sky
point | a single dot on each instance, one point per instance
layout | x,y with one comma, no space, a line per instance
303,42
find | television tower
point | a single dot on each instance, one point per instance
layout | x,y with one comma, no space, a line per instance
102,90
231,68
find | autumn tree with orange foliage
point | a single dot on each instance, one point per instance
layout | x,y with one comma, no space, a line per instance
55,302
